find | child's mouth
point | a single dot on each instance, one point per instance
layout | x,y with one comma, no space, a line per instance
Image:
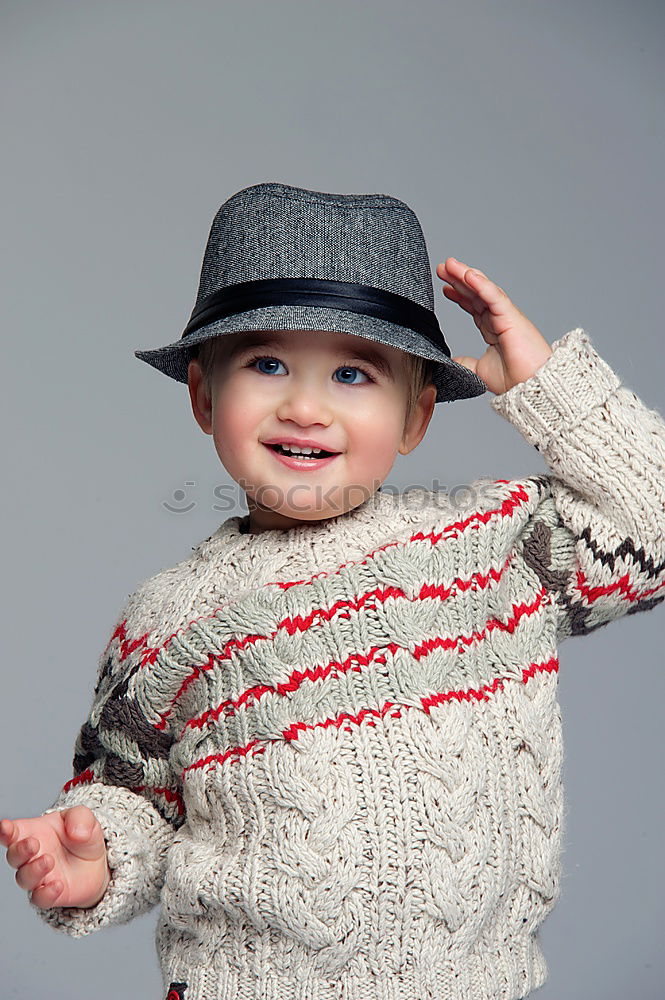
302,461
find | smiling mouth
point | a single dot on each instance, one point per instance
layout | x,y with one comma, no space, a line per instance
282,451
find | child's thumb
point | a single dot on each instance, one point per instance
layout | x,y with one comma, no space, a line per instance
83,834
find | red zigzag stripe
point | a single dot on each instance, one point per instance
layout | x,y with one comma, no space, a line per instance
513,501
375,654
370,714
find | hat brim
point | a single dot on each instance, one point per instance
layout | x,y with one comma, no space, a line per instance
452,380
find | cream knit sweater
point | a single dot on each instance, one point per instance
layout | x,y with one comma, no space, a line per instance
334,754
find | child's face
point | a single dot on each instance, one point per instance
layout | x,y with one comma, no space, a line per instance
318,385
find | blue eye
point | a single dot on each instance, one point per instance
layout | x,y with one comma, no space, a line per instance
269,360
354,368
343,368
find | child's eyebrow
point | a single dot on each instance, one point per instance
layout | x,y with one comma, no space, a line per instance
357,353
247,343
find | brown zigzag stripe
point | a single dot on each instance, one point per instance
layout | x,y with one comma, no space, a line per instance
538,555
646,604
124,717
578,614
125,648
626,548
104,672
121,713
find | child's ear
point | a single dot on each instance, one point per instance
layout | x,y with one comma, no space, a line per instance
199,398
418,422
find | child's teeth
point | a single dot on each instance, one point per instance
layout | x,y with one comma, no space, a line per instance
301,451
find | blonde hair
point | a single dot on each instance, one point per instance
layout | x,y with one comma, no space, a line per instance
419,370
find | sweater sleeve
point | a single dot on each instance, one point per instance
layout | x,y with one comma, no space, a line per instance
597,536
123,774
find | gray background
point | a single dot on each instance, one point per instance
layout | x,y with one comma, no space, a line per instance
528,137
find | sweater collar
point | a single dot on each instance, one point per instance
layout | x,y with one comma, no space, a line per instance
365,516
334,540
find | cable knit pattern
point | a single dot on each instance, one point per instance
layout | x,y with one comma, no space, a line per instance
334,754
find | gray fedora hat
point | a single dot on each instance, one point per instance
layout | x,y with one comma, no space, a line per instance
281,257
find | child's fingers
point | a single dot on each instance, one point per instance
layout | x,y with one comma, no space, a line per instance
22,851
32,866
463,272
5,837
6,831
488,289
10,837
46,896
32,873
485,292
494,298
454,273
476,308
461,299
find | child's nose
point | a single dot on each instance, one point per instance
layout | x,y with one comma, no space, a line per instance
306,401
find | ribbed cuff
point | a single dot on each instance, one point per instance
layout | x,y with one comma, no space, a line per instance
137,840
561,393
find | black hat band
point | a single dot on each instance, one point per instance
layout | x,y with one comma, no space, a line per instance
345,295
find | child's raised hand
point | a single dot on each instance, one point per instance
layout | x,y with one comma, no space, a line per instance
516,347
60,857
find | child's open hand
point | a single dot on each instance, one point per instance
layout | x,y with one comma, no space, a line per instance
516,347
60,857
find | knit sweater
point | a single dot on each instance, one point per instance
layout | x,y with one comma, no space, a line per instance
334,753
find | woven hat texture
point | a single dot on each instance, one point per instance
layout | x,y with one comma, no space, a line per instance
279,231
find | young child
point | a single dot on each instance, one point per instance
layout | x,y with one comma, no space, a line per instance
329,741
